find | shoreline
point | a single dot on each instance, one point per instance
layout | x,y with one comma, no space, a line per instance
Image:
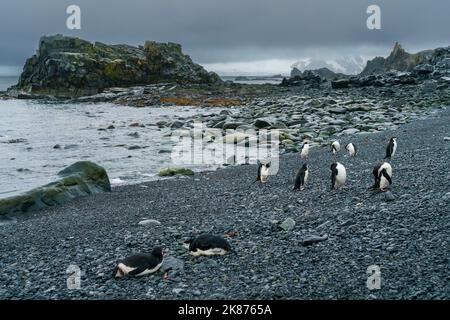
407,238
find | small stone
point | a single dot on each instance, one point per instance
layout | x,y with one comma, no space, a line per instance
172,264
388,196
177,290
288,224
149,221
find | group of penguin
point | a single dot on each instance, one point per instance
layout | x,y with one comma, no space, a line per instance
207,245
382,172
141,264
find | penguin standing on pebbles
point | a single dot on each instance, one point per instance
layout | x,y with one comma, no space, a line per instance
335,147
139,264
391,148
383,176
263,172
207,245
338,175
305,151
351,148
301,178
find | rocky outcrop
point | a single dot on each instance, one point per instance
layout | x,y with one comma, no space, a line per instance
402,68
307,78
324,73
80,179
398,60
70,67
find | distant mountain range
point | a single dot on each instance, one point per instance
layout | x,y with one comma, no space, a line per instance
398,60
345,65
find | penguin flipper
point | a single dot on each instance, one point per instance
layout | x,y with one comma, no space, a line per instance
388,178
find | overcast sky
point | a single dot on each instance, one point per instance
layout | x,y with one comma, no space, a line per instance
232,34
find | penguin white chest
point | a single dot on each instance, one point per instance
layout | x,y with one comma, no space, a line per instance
351,149
306,176
208,252
394,149
384,183
305,151
341,176
264,173
126,269
335,146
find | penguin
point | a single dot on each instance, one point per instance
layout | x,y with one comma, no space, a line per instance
351,148
207,245
385,176
301,178
338,175
139,264
263,172
305,151
391,148
376,184
335,147
382,174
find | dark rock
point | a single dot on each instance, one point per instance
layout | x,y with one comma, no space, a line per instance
312,239
72,67
261,123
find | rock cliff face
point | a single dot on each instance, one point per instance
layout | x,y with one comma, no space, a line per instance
68,67
398,60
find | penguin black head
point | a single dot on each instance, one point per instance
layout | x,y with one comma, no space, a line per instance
305,167
333,167
158,252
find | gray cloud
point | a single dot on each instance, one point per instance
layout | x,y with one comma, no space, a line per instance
217,31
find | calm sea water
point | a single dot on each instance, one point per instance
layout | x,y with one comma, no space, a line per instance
30,130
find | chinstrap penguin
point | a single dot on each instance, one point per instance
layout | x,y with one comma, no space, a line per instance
338,175
382,174
207,245
335,147
139,264
351,148
301,178
391,148
305,151
263,172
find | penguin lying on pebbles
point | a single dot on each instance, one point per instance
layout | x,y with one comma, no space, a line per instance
383,176
301,178
207,245
139,264
263,172
391,148
338,175
335,147
305,151
351,148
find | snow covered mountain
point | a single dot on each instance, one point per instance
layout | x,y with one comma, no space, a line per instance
345,65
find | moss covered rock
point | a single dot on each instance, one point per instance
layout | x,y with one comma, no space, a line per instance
71,67
80,179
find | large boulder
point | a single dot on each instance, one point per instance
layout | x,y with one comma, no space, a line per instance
70,67
80,179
